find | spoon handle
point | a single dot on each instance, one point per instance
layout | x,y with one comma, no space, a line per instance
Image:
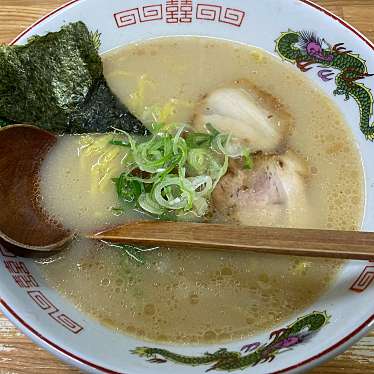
296,242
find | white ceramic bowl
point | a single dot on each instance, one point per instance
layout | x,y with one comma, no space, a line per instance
55,324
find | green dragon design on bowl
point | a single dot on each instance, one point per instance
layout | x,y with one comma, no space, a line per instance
305,49
250,354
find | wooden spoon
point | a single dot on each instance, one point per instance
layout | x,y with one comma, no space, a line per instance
296,242
23,223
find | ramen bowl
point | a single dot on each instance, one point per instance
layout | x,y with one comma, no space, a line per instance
331,324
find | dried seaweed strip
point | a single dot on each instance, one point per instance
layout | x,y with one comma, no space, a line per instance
56,82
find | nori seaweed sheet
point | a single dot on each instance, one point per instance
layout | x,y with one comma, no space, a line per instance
56,82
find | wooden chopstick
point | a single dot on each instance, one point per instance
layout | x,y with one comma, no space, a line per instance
296,242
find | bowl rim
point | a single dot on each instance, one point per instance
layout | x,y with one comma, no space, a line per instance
73,359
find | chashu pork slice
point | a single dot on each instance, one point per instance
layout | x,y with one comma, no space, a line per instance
254,117
273,193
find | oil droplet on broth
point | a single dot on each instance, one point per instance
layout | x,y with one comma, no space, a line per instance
193,297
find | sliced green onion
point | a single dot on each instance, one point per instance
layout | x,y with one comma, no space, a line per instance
166,157
199,159
200,181
122,143
199,140
188,189
117,211
222,171
152,156
176,139
248,161
128,190
201,206
177,198
146,202
220,143
129,137
213,131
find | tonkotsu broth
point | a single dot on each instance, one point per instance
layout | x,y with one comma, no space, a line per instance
190,296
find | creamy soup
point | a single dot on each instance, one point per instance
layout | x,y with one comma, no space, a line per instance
194,297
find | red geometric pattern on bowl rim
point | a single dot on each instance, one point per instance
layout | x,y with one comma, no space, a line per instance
360,329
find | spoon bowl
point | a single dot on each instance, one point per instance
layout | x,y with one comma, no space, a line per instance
23,222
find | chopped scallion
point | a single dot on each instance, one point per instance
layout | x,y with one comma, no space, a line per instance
176,173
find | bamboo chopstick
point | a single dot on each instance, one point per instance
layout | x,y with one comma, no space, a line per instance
297,242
